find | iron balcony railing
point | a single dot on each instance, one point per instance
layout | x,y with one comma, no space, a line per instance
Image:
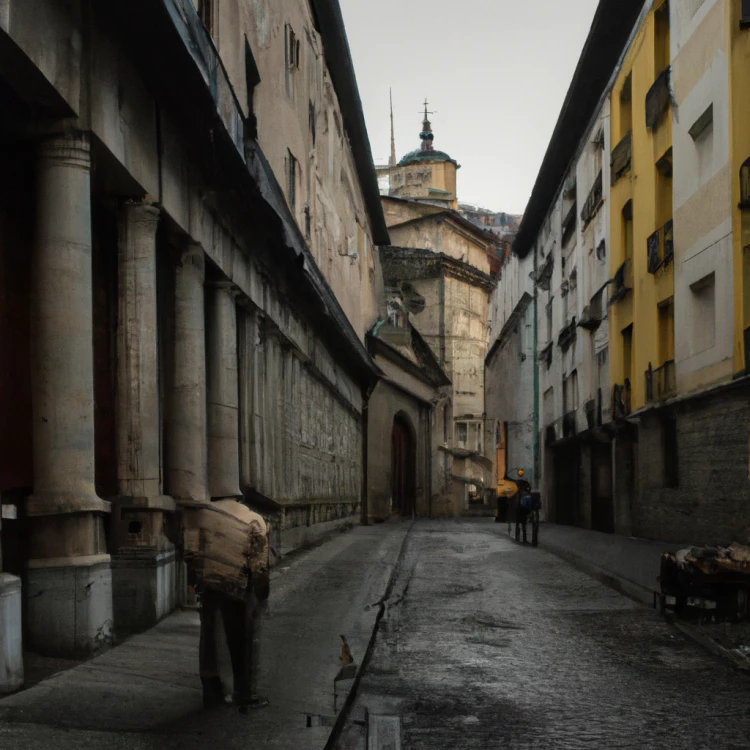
657,99
622,283
661,383
593,201
660,247
621,156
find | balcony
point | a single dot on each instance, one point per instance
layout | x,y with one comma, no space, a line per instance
543,277
661,383
622,283
621,157
567,335
594,200
660,247
657,99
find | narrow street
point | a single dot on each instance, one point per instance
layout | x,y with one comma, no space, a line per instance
146,694
488,644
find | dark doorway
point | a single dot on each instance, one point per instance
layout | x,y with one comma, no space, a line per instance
602,506
567,482
403,466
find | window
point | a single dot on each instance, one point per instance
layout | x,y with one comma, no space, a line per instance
664,189
745,184
745,17
462,434
666,331
570,392
661,38
627,353
627,230
312,121
626,106
702,133
669,447
206,14
292,49
549,320
252,79
548,406
704,313
291,179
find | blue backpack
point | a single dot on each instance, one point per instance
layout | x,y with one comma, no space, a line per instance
526,501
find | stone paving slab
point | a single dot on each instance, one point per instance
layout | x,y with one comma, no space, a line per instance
146,692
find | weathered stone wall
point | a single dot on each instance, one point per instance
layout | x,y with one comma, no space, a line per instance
712,502
441,236
300,440
298,115
385,403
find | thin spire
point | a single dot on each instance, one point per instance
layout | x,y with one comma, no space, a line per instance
393,136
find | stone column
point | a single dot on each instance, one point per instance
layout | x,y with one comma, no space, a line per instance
143,566
70,583
186,439
223,393
11,649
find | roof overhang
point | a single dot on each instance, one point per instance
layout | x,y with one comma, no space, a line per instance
610,32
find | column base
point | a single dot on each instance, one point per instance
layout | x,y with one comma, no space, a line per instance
145,588
11,640
70,606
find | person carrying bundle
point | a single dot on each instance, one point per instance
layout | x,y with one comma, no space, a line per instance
226,545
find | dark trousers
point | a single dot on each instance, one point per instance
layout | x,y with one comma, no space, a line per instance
522,517
239,618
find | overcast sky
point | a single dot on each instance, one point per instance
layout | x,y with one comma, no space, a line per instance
495,71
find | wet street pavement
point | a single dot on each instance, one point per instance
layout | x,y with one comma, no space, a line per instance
490,644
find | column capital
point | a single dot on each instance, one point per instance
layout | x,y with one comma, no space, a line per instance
70,149
144,210
194,257
228,287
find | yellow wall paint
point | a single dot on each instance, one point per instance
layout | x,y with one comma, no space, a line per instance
644,186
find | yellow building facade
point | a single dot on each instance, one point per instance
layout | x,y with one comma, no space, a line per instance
679,323
642,295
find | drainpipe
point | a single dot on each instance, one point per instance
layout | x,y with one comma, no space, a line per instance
537,462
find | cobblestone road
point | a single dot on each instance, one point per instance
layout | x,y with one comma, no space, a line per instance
488,644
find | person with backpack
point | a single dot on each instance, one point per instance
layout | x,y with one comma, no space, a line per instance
524,506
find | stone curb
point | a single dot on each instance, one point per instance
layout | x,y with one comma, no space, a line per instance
739,662
628,588
648,597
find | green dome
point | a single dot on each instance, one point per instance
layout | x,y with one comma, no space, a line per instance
419,157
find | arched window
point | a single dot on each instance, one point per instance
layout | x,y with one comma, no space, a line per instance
745,184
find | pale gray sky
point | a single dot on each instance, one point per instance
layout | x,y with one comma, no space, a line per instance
495,71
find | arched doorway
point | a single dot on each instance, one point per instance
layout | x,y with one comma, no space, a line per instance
403,466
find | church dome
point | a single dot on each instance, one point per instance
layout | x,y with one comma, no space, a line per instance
426,153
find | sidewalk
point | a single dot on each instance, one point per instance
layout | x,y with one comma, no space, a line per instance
146,693
627,564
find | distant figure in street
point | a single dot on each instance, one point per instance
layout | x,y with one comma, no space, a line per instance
523,506
227,545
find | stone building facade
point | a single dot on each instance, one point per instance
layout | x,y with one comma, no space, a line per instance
639,214
188,267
